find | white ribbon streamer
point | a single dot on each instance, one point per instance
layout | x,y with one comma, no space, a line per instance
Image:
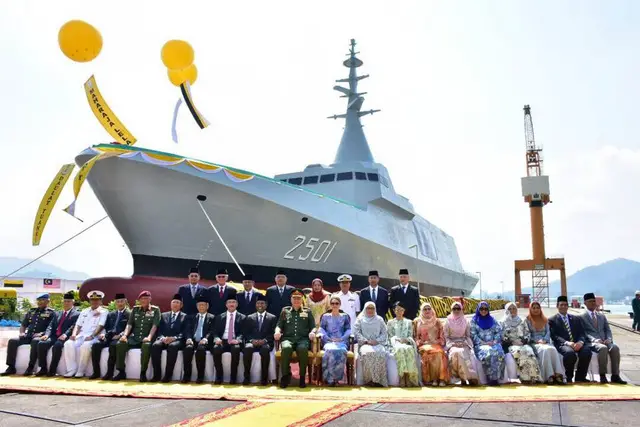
174,133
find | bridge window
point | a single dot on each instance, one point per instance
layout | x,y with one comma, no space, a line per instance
373,177
361,176
344,176
330,177
295,181
384,181
310,179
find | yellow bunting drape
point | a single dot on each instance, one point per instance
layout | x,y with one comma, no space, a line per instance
105,115
81,176
49,200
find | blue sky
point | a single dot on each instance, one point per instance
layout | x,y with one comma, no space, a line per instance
451,78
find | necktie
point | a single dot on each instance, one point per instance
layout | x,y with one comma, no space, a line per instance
280,289
259,322
373,296
118,318
248,297
199,331
221,291
193,291
230,335
595,319
566,324
404,289
59,329
173,318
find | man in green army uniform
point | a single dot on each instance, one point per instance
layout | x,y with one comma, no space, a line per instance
139,333
33,327
295,327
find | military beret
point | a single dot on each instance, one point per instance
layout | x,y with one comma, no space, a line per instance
95,295
43,296
69,295
344,278
403,271
177,297
120,296
144,294
589,295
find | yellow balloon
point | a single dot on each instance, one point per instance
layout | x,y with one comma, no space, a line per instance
79,41
177,77
177,54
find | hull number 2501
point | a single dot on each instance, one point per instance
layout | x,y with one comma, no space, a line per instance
314,251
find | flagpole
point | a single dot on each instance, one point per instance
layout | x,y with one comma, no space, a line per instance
201,199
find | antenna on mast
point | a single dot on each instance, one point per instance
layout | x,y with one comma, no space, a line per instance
354,145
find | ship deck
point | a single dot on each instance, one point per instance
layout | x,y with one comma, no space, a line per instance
32,409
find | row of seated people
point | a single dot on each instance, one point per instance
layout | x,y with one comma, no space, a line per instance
424,351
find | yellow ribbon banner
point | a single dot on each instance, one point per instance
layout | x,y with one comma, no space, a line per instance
81,176
49,200
105,116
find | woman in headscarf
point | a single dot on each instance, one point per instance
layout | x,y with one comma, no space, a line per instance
457,335
335,329
429,336
515,340
486,334
371,334
551,367
318,300
403,347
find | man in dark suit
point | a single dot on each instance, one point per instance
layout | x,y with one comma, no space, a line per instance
247,298
258,337
279,296
190,292
568,336
407,294
56,335
227,337
219,293
199,336
173,326
113,329
377,294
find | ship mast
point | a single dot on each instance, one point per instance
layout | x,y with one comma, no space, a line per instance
353,146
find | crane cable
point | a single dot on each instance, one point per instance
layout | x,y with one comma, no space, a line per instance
56,247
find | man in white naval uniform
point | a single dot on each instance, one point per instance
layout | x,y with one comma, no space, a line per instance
349,301
89,325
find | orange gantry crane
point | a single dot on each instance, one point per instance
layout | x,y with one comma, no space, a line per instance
535,190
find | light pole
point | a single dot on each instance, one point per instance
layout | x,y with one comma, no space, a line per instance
502,285
479,273
417,266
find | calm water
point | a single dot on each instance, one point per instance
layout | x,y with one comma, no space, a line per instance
618,309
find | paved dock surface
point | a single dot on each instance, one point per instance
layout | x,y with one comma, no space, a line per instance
31,409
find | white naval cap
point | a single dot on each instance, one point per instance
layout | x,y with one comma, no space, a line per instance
95,295
344,278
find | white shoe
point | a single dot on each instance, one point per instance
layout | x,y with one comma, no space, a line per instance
69,374
79,375
434,384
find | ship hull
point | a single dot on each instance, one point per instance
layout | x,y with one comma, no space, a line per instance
266,226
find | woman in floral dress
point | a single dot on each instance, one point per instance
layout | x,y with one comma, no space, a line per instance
486,334
551,367
371,334
318,300
403,347
429,336
335,329
457,334
515,340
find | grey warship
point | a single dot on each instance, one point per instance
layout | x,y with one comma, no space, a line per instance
320,222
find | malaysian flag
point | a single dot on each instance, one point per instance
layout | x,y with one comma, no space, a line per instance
51,283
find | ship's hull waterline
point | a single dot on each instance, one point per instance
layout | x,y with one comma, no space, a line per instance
266,225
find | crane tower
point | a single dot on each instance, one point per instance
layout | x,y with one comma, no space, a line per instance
535,190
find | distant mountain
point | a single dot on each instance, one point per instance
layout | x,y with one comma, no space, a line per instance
613,280
37,270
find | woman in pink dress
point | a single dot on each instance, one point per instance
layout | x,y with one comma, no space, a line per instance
429,336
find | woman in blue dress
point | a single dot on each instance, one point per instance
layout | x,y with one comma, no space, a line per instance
335,329
486,334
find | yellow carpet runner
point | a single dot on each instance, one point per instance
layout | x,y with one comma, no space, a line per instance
273,414
511,393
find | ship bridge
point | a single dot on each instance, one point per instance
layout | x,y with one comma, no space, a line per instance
354,176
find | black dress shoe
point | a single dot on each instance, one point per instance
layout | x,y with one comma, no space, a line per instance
616,379
143,378
264,382
582,380
166,380
603,379
121,376
10,371
42,373
302,383
28,372
284,381
217,382
155,379
246,381
95,376
186,381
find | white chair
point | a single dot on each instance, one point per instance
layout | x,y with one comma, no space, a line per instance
255,370
133,365
594,367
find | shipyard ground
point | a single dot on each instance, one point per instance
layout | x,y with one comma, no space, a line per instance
32,409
